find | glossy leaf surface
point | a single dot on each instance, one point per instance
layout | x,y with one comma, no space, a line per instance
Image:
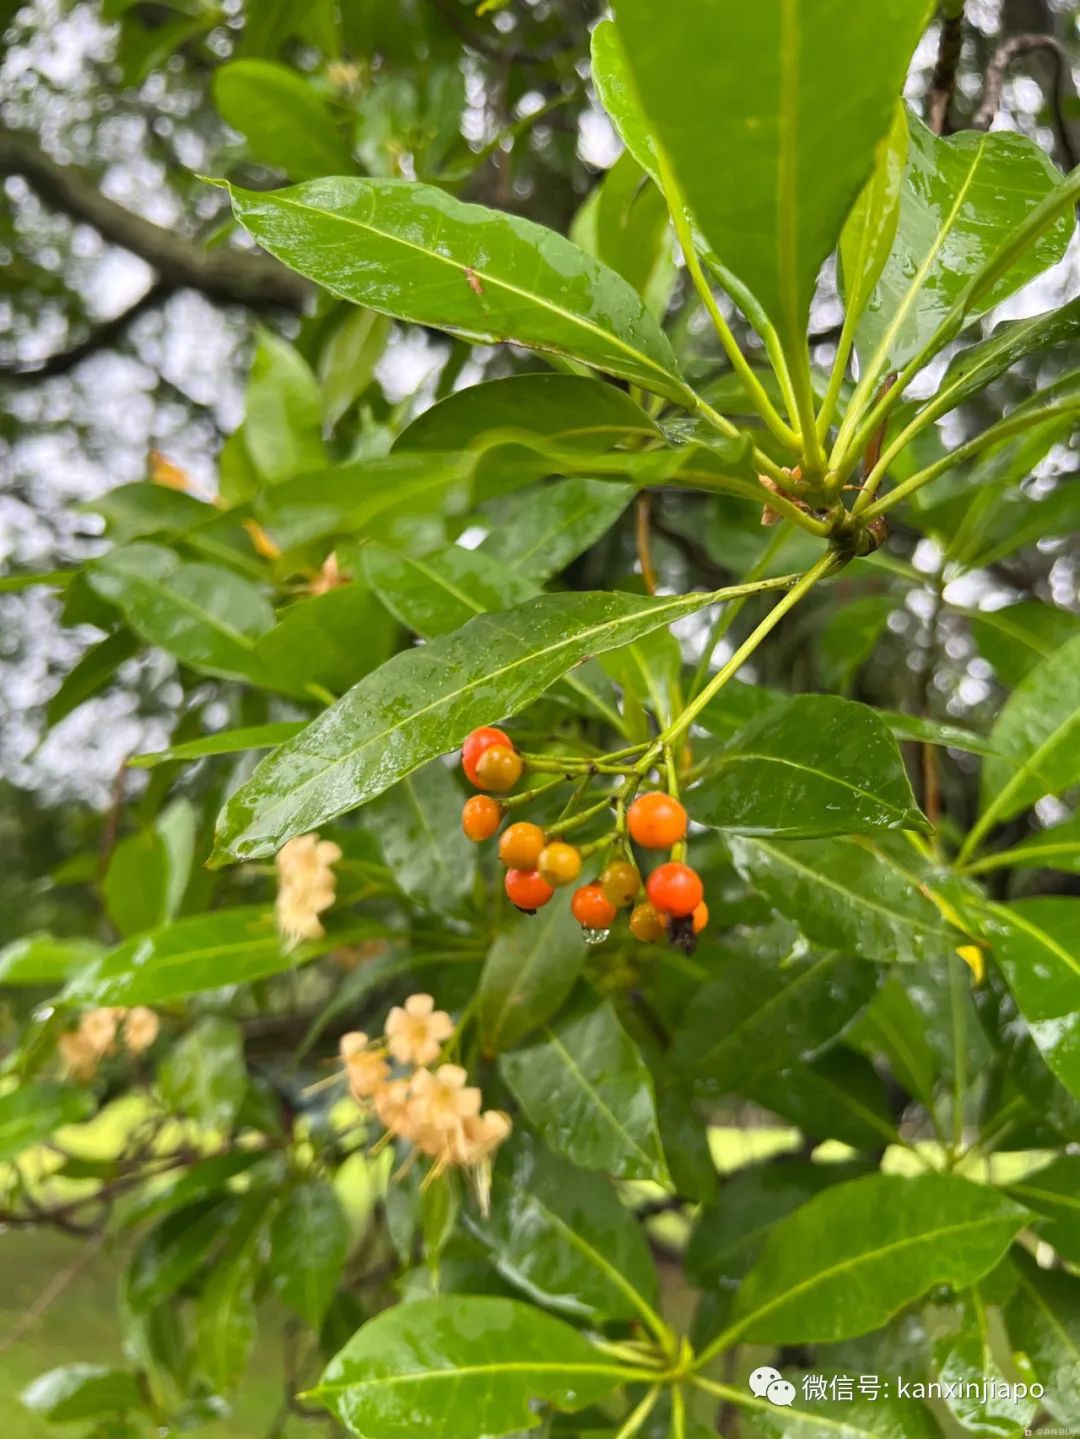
555,523
436,593
479,1364
416,253
530,969
1043,1319
34,1112
309,1240
286,123
418,825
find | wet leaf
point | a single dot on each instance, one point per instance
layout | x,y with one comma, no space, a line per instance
530,969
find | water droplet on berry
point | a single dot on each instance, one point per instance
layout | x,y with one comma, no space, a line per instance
595,936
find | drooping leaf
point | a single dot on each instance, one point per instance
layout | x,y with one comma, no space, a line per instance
427,699
767,1010
416,253
564,1238
331,640
1036,944
204,1075
553,524
1038,730
205,615
309,1240
230,741
204,951
584,1086
853,1255
286,123
846,894
819,765
793,159
474,1365
1043,1319
436,593
962,199
90,674
530,969
418,825
34,1112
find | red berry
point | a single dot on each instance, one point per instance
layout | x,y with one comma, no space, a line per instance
498,768
480,740
675,888
480,817
527,889
656,821
520,845
700,917
591,907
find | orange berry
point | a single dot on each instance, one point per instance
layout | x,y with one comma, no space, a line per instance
656,821
480,817
621,881
591,907
647,923
475,745
559,863
520,845
700,917
675,889
527,889
498,768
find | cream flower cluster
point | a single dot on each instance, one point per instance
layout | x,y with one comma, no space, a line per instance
306,885
83,1049
434,1108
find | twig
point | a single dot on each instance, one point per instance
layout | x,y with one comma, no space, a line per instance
51,1293
228,276
642,513
943,80
1002,58
101,337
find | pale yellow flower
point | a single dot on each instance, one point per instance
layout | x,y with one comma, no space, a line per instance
441,1100
367,1070
392,1106
306,884
80,1058
414,1033
98,1028
140,1029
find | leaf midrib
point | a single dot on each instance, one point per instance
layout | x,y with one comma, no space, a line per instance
778,998
471,1371
733,757
1048,942
484,277
178,598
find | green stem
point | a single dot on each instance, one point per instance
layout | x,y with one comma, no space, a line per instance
526,796
730,613
802,383
836,378
640,1414
678,1413
754,388
826,565
563,826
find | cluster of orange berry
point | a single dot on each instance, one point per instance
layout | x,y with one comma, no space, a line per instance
672,904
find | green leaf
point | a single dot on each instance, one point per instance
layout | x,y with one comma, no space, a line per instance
309,1242
348,359
204,951
631,231
846,894
792,158
529,971
553,524
852,1256
174,1251
618,95
90,674
892,1025
839,1096
428,699
34,1112
206,616
818,765
585,1087
229,741
287,124
962,200
226,1309
1015,637
1043,1319
767,1010
331,640
964,1364
136,883
1055,848
82,1391
865,1416
204,1075
1036,945
460,1366
870,228
436,593
431,259
418,826
564,1237
729,1232
571,411
44,959
850,636
283,417
1055,1192
1038,730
